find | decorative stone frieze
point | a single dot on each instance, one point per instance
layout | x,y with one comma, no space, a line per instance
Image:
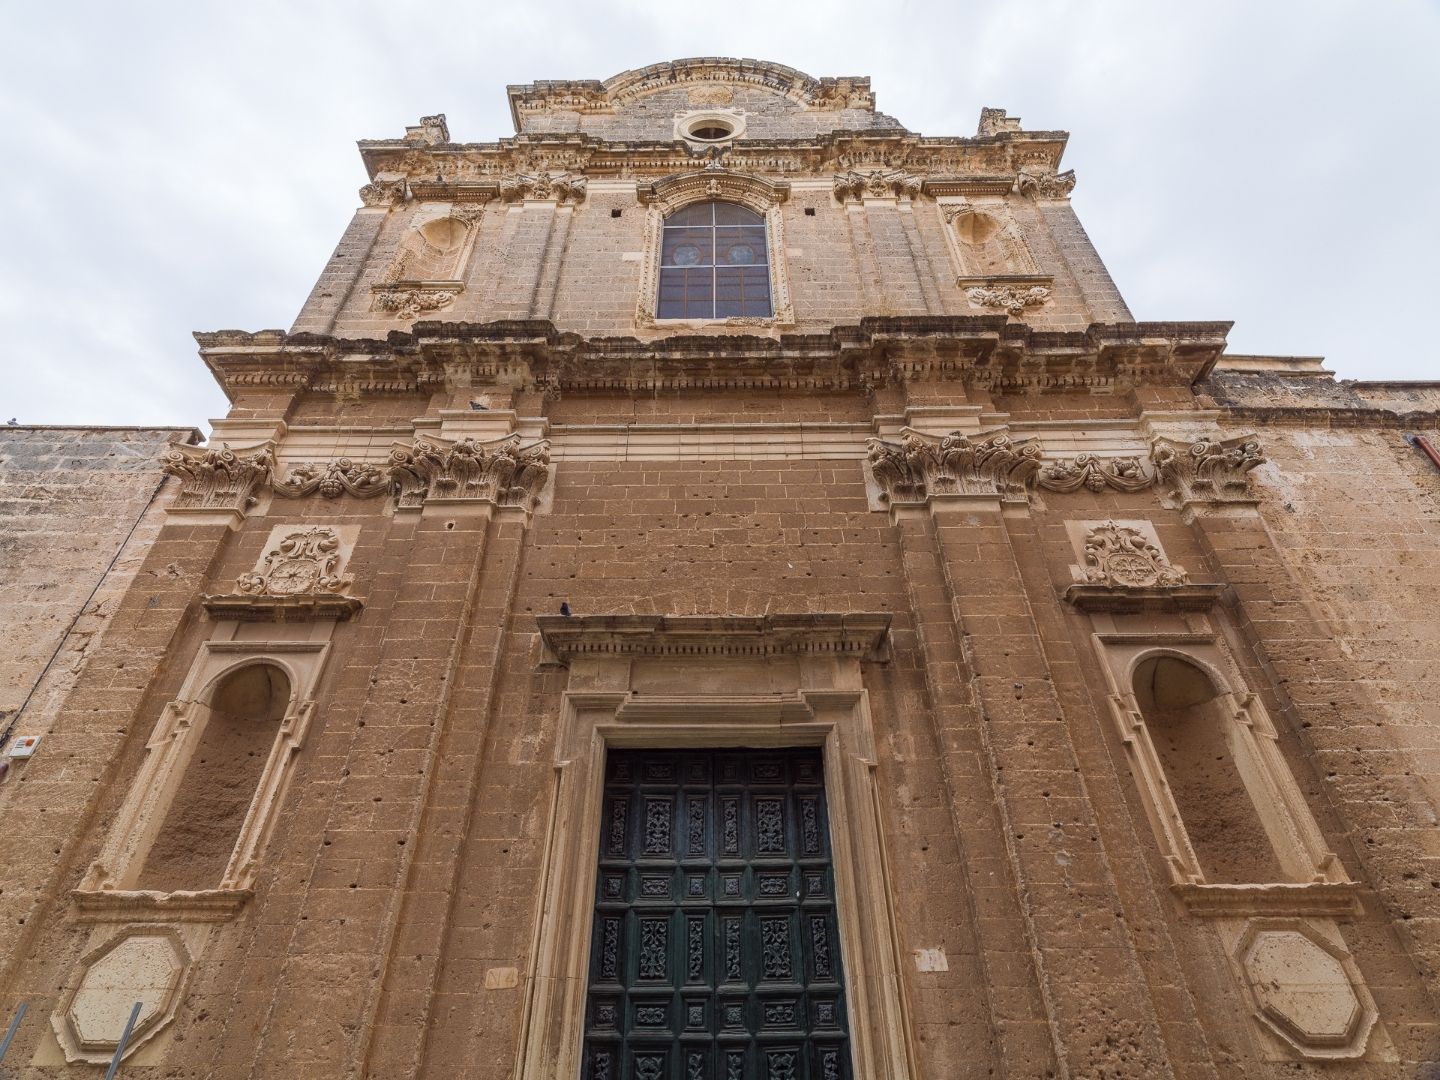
560,187
218,479
858,635
502,474
1045,183
1207,470
300,575
144,965
920,468
1095,474
383,193
876,184
408,301
1012,299
343,476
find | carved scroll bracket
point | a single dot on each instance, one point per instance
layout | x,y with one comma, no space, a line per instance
1207,471
505,474
921,470
876,184
218,483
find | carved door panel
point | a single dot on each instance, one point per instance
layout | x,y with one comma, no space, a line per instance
716,954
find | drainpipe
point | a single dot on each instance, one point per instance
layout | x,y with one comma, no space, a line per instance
1426,446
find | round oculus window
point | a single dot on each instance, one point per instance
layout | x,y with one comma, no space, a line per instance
709,128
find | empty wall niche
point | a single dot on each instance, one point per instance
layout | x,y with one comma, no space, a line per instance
1194,738
202,824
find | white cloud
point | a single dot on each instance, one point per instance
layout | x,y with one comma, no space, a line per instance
191,166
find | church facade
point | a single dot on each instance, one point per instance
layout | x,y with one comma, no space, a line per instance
718,585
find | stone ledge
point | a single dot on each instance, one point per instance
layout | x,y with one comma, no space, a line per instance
1166,598
299,608
1337,899
859,634
131,905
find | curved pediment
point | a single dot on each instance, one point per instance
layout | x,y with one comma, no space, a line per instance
723,72
642,103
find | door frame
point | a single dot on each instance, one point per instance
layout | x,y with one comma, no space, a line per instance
639,682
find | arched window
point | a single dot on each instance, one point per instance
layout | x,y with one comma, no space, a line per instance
714,264
202,824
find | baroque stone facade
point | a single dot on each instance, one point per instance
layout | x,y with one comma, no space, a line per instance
941,675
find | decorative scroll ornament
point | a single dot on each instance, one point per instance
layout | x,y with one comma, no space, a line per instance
1094,474
562,187
1207,470
410,301
878,184
1120,556
383,193
503,473
1046,185
919,467
303,561
342,476
218,479
1013,299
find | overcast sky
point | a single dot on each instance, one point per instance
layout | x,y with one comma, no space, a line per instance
190,166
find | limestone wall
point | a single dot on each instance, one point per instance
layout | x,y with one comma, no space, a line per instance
77,505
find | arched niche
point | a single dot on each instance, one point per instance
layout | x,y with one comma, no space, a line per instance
238,723
217,765
1194,739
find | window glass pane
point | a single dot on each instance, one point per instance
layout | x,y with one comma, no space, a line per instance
685,294
714,264
694,214
740,247
742,291
687,247
733,214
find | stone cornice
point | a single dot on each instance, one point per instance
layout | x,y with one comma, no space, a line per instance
982,351
949,161
858,634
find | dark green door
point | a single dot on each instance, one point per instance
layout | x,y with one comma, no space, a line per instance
715,950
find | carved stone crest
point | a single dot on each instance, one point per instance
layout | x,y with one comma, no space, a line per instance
504,474
1013,299
1122,556
303,561
342,476
1207,470
920,467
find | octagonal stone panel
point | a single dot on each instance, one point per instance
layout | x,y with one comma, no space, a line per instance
142,964
1303,989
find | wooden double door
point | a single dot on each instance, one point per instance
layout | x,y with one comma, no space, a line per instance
716,952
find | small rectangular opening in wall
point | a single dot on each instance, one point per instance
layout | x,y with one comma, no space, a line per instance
616,213
809,211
